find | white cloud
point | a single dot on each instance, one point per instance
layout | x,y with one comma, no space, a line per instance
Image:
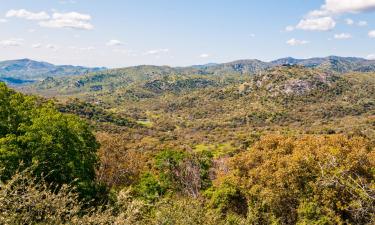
343,36
24,14
332,7
12,42
349,6
37,45
349,21
52,47
362,23
371,34
67,2
317,24
318,13
114,43
71,16
90,48
295,42
289,28
204,55
3,20
157,51
72,20
371,57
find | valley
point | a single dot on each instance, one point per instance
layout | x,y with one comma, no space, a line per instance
185,134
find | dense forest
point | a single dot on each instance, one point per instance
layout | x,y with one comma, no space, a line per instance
222,144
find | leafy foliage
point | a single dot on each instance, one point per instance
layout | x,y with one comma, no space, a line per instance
33,134
307,180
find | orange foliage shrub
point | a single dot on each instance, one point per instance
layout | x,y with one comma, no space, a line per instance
118,165
309,179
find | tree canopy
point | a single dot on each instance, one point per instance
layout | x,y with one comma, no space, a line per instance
34,134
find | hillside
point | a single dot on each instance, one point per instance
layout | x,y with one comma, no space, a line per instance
292,96
25,71
181,143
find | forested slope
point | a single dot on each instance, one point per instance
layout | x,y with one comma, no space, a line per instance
286,145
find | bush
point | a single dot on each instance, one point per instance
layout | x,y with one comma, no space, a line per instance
308,180
183,172
25,200
149,188
227,199
184,211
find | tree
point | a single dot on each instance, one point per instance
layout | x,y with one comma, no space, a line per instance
183,171
34,134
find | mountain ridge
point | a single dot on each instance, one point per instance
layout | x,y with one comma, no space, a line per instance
20,71
26,71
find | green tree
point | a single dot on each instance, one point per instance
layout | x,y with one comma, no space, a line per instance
34,134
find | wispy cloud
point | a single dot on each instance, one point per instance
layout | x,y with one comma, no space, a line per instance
362,23
114,42
349,21
37,45
204,55
157,51
15,42
67,1
296,42
52,47
371,34
126,52
89,48
289,28
25,14
343,36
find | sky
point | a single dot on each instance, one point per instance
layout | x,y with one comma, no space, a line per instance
120,33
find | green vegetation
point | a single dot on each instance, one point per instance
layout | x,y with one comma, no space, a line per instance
218,144
34,135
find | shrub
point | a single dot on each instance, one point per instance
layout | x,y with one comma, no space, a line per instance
309,179
26,200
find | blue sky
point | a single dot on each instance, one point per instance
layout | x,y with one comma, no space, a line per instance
118,33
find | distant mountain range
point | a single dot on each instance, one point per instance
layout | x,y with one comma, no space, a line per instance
146,81
24,71
330,63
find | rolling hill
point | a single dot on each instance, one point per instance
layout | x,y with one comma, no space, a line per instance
24,71
144,80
